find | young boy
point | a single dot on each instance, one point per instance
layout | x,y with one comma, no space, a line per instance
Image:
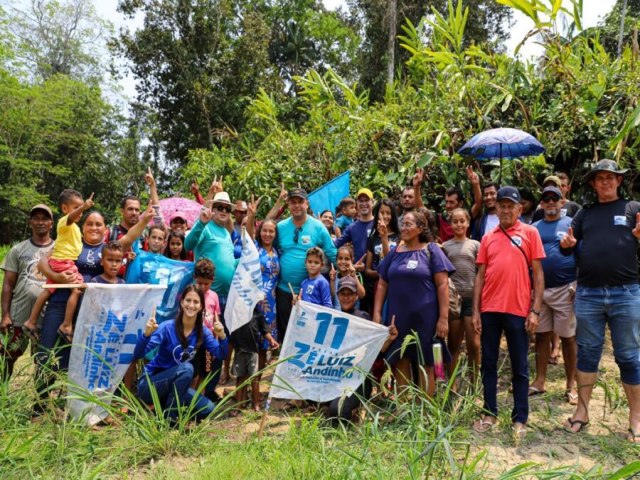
65,252
111,261
315,288
346,212
156,240
343,410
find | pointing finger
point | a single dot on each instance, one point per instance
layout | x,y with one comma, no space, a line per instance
91,196
393,321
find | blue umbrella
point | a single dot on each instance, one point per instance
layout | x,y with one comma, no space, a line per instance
502,143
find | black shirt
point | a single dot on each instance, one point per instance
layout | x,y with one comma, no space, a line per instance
247,337
606,249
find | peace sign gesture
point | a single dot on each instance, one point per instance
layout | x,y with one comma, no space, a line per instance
252,206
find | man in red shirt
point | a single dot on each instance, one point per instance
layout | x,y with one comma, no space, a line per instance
507,296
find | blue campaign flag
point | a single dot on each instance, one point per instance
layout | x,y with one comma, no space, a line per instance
156,269
328,196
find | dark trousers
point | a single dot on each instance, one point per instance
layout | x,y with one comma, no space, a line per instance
493,324
341,409
53,353
283,311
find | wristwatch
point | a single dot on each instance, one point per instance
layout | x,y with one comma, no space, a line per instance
533,310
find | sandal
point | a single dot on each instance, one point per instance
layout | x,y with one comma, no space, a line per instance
67,337
572,398
533,391
483,425
519,431
633,437
32,333
571,422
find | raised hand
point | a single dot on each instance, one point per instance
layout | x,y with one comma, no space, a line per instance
148,178
472,176
218,329
332,273
216,186
393,331
569,241
205,215
382,229
151,325
194,187
636,230
283,192
252,206
88,203
418,177
359,265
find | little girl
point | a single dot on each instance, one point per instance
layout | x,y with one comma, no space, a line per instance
175,246
315,288
344,261
462,252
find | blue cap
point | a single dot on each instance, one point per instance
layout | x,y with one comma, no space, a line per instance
509,193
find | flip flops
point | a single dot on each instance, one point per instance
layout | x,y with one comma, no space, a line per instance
572,398
519,431
484,424
571,422
32,333
67,337
633,437
533,391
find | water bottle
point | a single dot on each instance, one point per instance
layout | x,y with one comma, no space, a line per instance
438,365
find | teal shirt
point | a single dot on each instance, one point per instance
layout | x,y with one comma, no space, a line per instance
292,255
214,242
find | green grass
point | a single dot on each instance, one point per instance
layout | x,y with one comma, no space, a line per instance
421,438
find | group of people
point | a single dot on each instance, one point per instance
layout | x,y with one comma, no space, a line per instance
547,269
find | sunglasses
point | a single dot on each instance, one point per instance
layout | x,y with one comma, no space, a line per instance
222,208
550,199
296,234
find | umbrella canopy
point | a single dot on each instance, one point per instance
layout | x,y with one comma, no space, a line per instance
502,143
190,208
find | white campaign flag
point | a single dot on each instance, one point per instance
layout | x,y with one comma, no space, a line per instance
246,286
109,322
328,353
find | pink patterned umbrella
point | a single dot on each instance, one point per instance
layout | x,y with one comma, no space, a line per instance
190,209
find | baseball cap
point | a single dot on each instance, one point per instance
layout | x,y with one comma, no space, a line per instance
554,179
348,283
43,207
297,192
241,206
365,191
551,189
604,165
509,193
179,214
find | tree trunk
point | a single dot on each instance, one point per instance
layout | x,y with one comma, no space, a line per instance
623,14
391,44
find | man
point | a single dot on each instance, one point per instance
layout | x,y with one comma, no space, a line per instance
503,301
130,213
454,198
567,207
411,195
296,235
357,234
606,236
238,215
22,284
556,315
487,221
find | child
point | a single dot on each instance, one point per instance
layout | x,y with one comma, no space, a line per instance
175,246
245,341
203,276
344,260
111,261
462,252
65,252
346,212
315,288
156,241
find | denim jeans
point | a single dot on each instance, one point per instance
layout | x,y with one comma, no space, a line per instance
173,388
618,306
493,324
53,352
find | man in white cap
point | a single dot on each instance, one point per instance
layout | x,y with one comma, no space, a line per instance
22,284
605,235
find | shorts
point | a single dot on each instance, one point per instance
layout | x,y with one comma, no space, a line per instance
467,307
556,314
60,266
245,364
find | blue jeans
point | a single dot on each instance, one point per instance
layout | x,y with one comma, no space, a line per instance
53,353
493,324
173,388
619,307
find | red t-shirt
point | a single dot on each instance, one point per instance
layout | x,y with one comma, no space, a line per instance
507,288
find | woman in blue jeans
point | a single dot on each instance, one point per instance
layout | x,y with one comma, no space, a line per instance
176,343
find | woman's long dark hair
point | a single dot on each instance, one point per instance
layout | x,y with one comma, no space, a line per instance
167,250
199,320
393,226
259,231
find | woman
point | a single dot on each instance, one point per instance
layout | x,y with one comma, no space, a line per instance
414,277
326,217
383,238
176,342
265,238
94,230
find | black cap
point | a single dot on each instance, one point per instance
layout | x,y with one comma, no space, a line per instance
297,192
509,193
604,165
551,189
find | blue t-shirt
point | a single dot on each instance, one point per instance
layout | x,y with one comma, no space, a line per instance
343,221
357,234
293,254
214,242
170,351
316,290
558,269
99,279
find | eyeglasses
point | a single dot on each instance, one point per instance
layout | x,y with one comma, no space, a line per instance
296,234
222,208
550,199
408,225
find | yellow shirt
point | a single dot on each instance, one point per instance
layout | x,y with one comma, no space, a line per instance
68,244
